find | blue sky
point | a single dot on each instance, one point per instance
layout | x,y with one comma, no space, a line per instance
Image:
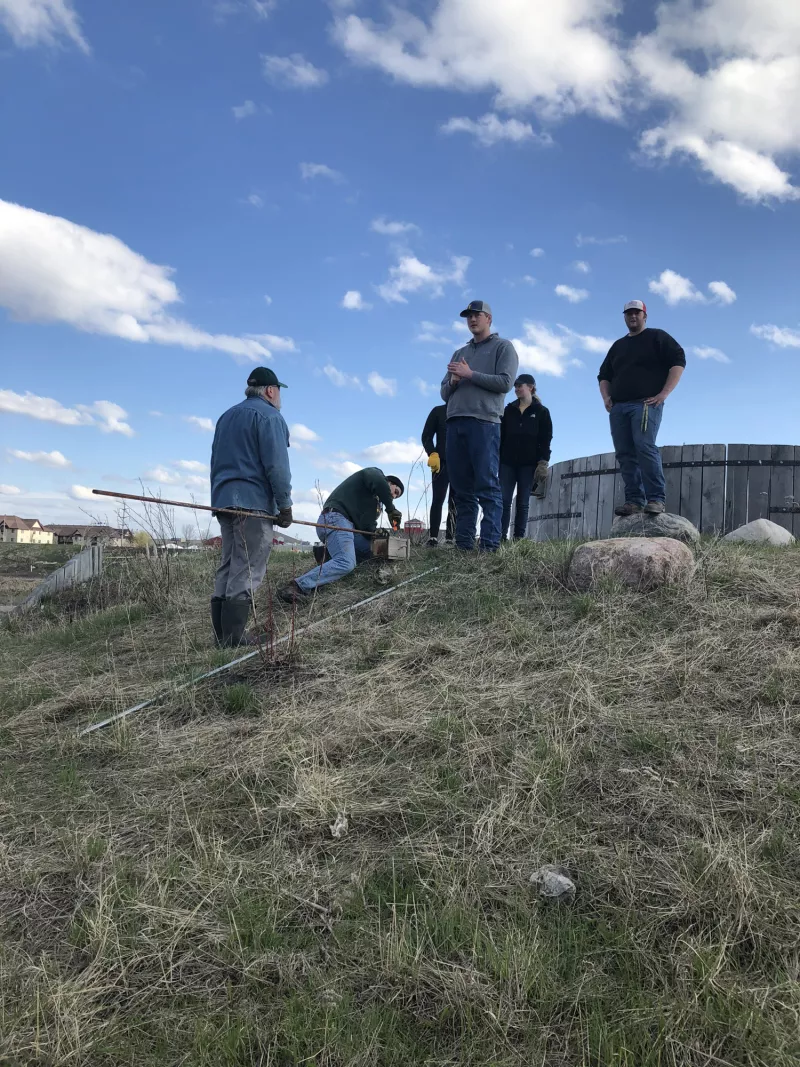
189,189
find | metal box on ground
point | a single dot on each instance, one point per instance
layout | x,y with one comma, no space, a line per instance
392,548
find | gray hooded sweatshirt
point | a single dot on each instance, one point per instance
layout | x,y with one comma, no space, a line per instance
494,363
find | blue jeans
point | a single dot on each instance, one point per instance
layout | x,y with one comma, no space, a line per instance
345,547
473,460
521,479
639,459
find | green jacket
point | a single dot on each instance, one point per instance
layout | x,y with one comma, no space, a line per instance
360,496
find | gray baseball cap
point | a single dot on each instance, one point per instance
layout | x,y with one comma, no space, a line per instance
476,305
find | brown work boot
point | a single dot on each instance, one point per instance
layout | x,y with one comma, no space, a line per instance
628,508
655,507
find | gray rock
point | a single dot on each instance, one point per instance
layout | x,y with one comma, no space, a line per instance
665,525
761,531
554,883
638,562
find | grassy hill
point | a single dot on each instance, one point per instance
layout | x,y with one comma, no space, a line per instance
172,892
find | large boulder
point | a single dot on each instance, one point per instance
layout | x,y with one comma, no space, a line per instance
639,562
762,531
664,525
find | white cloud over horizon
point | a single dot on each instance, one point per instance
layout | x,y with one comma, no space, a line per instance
781,336
390,228
706,352
309,171
675,289
53,459
354,301
568,292
340,379
105,415
201,422
393,452
34,22
382,386
490,130
547,352
245,110
54,270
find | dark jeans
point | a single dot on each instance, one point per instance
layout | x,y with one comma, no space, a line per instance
521,479
439,486
639,459
473,460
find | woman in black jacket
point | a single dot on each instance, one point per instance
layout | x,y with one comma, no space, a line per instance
525,435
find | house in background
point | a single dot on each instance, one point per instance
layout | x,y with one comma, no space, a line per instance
110,536
14,530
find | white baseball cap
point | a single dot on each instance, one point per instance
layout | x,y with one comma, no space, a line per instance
635,305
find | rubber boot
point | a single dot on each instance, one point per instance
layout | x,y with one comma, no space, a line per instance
216,617
235,614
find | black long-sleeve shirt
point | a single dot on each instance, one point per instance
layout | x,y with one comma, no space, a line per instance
637,367
525,436
435,430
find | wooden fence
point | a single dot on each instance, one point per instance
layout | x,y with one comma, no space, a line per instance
717,487
81,568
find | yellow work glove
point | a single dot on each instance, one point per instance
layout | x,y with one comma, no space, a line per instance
434,462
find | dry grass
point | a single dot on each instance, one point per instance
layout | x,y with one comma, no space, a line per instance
171,892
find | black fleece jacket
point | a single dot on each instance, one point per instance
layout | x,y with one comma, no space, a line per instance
525,436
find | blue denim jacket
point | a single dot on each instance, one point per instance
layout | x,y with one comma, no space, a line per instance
250,459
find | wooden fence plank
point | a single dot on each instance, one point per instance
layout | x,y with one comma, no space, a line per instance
548,529
796,502
577,497
563,497
590,499
672,476
713,517
758,479
692,485
535,509
605,502
736,489
782,486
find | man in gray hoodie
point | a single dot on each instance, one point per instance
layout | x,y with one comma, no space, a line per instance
474,389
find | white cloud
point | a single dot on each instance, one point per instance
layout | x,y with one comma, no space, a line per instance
255,200
308,171
548,352
32,22
410,275
106,416
575,296
489,129
343,467
46,459
82,492
704,352
558,58
52,270
163,476
340,379
302,433
382,386
194,466
245,110
733,111
9,490
425,388
581,266
393,452
389,228
262,9
781,336
432,334
582,240
200,422
537,253
675,289
722,292
293,72
353,301
267,299
274,341
529,279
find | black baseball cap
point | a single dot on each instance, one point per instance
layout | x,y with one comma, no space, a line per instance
392,479
526,379
476,305
263,376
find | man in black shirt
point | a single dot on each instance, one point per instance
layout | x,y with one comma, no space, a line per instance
637,376
434,438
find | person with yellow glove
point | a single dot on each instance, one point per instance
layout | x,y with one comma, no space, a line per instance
434,436
525,435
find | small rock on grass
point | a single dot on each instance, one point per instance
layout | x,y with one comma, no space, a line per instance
761,531
340,827
642,563
554,883
664,525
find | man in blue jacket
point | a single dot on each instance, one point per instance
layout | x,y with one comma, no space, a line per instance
477,380
249,471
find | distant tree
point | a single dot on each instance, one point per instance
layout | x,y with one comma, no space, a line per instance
189,532
142,539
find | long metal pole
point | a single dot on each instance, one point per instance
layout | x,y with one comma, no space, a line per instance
225,511
235,662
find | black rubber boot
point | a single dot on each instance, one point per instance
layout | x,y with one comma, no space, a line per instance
235,614
216,617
